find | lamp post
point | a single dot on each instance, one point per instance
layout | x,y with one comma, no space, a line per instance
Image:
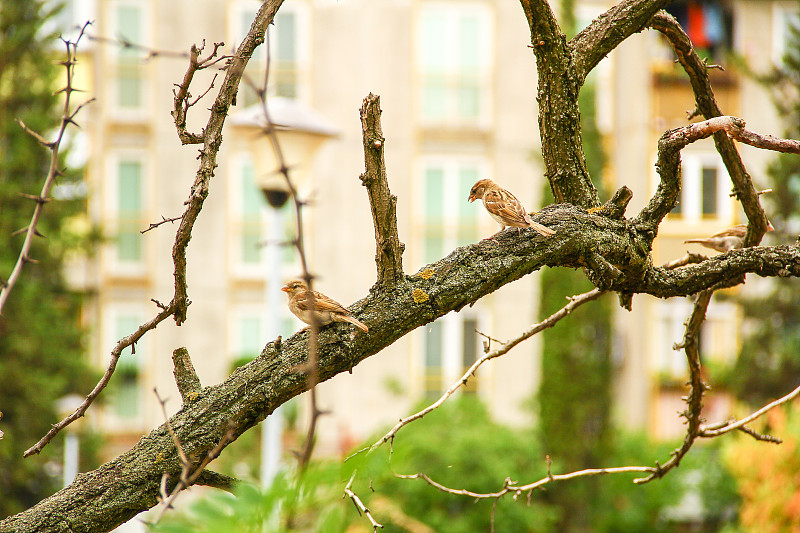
300,133
66,405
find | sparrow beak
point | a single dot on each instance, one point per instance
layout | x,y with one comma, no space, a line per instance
769,226
286,288
471,198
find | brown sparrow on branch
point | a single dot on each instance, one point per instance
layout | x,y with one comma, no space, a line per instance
729,239
324,309
504,208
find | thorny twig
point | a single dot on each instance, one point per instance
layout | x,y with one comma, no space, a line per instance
67,117
211,139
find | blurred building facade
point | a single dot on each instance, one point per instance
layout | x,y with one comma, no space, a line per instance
457,82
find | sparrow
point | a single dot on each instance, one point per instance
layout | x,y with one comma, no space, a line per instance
326,310
729,239
504,208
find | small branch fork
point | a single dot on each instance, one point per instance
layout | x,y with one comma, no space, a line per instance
189,473
697,70
360,507
211,138
67,117
673,141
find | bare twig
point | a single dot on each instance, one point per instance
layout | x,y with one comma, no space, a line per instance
360,507
154,225
575,302
509,487
694,400
67,117
707,431
123,343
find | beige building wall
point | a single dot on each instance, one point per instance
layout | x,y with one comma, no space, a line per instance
344,50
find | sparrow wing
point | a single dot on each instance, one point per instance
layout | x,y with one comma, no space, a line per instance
321,303
503,204
739,230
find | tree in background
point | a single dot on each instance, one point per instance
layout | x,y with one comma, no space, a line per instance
41,352
574,397
768,365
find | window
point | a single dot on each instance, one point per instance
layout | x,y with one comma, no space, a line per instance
454,51
128,19
450,348
449,220
130,216
286,51
703,194
127,379
250,331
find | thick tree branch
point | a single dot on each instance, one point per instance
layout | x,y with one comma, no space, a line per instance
389,249
697,70
559,117
668,165
608,30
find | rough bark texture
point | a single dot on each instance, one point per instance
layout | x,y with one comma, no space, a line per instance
389,249
613,251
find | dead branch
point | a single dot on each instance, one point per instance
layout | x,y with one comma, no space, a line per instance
389,249
212,138
185,375
697,70
67,118
711,431
697,387
549,322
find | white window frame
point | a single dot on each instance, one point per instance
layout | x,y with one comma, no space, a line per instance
486,62
691,197
302,12
110,337
111,212
112,55
454,196
452,325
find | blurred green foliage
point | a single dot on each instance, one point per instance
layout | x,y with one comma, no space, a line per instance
459,446
42,348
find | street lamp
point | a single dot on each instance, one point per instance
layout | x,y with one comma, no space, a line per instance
300,133
66,405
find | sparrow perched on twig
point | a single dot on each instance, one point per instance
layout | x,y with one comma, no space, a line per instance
324,309
729,239
504,208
